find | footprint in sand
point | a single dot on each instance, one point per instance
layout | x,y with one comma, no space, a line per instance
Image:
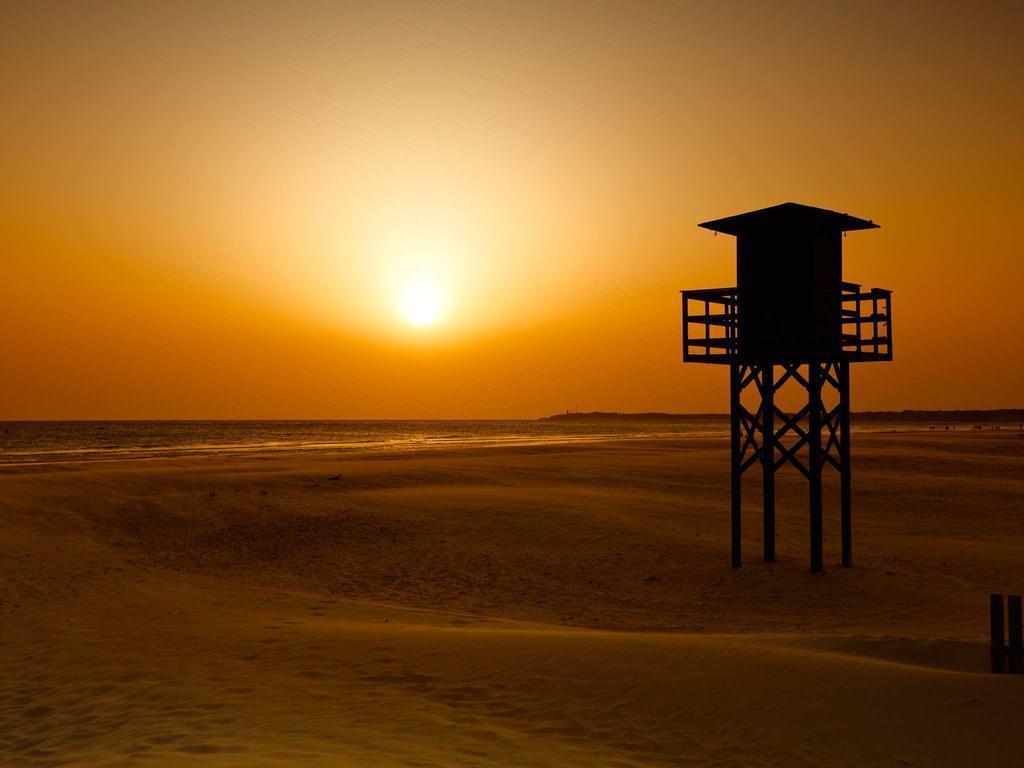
37,712
165,738
200,749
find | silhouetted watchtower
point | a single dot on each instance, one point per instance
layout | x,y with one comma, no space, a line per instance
790,309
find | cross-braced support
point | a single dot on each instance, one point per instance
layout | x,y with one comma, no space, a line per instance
810,439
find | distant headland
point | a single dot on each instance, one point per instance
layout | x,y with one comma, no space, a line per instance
1000,416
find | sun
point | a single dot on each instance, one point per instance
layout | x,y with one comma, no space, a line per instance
420,302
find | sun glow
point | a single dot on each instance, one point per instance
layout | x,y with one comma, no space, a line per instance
421,302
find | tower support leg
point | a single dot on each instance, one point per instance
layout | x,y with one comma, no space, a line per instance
814,424
846,521
735,384
768,458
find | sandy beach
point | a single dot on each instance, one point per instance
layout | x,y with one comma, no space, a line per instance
542,605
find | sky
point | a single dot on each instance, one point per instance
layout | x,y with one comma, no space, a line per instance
485,210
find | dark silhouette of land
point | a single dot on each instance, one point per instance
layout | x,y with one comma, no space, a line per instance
592,416
993,416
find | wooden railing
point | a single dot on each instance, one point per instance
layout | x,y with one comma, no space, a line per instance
867,323
711,325
716,320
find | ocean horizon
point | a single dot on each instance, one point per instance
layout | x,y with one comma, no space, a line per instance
26,442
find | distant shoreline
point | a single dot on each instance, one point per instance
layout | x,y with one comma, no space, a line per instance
1000,416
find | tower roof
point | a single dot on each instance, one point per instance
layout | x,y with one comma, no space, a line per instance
787,216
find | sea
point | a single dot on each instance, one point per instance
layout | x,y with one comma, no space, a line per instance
63,441
50,441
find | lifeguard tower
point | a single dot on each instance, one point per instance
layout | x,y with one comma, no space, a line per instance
791,310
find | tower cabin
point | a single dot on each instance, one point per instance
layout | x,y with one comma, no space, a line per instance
792,309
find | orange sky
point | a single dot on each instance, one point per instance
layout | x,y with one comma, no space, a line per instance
213,212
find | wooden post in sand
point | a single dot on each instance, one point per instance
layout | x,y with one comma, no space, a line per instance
814,460
845,512
735,373
768,458
1015,632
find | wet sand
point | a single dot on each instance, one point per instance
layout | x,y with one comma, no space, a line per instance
554,605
